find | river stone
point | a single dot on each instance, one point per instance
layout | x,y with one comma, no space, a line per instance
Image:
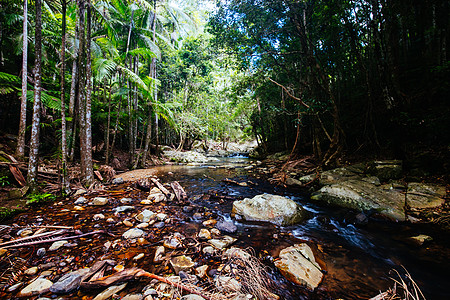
133,297
3,251
80,200
337,175
181,263
110,291
69,282
123,208
425,195
420,239
80,192
227,284
99,201
293,182
201,271
297,264
192,297
363,196
226,226
145,216
159,254
97,217
31,271
270,208
204,234
133,233
38,286
57,245
223,242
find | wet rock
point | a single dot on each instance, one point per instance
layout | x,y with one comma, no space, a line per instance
227,284
192,297
425,195
335,176
3,251
142,225
69,282
215,232
223,242
181,263
197,216
31,271
133,233
119,268
78,208
293,182
361,219
146,202
161,216
201,271
99,201
372,180
145,216
127,223
172,243
117,180
159,225
237,252
123,208
139,256
204,234
420,239
297,264
133,297
187,209
208,250
110,291
270,208
97,217
226,226
363,196
80,200
57,245
159,254
210,222
37,287
110,220
80,192
126,200
25,232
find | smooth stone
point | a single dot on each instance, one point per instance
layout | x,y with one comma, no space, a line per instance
80,200
123,208
38,286
133,233
14,287
117,180
69,282
145,216
275,209
97,217
127,223
125,200
159,225
297,264
210,222
156,197
209,250
133,297
201,271
119,268
181,263
204,234
425,195
142,225
237,252
110,291
159,254
99,201
138,257
226,226
161,216
146,202
420,239
172,243
57,245
110,220
223,242
215,232
31,271
80,192
77,207
293,182
192,297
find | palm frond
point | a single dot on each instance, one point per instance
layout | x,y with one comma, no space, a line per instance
104,68
133,77
9,83
146,53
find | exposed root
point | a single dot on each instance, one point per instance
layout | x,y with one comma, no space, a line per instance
404,289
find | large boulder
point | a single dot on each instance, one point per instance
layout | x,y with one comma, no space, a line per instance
297,264
275,209
364,196
386,169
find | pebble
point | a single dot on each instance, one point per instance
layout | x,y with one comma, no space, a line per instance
142,241
127,223
201,271
146,202
123,208
133,233
110,291
142,225
80,192
159,225
57,245
77,207
223,242
172,243
118,180
41,252
69,282
197,216
99,201
226,226
208,250
215,232
181,263
25,232
98,217
204,234
110,220
145,216
133,297
210,222
80,200
161,216
159,254
31,271
138,257
126,200
119,268
192,297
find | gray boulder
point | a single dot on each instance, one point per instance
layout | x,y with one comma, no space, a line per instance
424,195
275,209
69,282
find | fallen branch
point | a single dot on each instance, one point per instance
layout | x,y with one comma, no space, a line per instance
179,191
161,187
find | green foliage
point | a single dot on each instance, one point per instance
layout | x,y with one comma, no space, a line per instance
37,198
8,213
9,83
4,181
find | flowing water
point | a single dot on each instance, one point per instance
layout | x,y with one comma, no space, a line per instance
358,260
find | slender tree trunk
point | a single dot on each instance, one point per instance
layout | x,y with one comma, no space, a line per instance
20,150
82,86
116,126
65,182
108,124
34,147
89,171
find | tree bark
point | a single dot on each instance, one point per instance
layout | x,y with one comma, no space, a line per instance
82,87
34,147
109,123
65,182
20,150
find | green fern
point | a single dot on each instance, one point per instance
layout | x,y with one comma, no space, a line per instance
9,83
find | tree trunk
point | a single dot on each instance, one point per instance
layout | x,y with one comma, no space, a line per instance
65,182
20,150
108,124
82,87
34,147
89,170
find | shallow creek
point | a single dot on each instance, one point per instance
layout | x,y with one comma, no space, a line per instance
357,259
